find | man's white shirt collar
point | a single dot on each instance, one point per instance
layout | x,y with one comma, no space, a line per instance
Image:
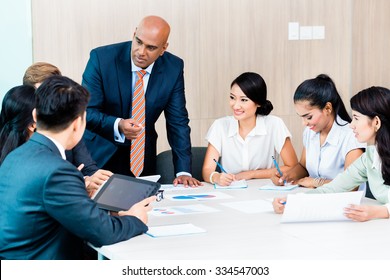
135,68
59,147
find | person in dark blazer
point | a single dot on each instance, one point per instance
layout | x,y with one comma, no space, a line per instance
34,76
110,76
16,121
45,209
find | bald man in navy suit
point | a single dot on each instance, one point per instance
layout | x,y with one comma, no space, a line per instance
110,76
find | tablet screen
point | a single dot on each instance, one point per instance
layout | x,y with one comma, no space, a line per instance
122,192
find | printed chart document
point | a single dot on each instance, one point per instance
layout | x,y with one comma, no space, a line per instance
318,207
172,230
241,184
171,187
182,210
198,196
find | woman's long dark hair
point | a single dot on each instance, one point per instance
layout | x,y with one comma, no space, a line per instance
318,92
15,117
255,88
375,102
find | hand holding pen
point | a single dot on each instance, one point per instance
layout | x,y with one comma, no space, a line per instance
224,178
279,204
278,178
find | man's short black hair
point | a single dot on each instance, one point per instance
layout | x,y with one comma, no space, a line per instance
59,101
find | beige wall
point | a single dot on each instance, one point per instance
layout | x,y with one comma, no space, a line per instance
219,39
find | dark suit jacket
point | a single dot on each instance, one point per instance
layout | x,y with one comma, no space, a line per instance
45,209
80,155
108,78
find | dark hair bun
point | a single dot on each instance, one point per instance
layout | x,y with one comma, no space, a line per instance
265,109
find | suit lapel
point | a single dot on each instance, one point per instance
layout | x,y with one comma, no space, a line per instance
123,68
154,84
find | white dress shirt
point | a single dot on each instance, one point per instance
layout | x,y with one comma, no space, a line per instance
256,150
327,161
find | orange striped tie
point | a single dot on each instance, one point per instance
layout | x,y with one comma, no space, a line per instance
137,151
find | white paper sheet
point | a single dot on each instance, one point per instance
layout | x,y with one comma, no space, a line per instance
318,207
278,188
241,184
172,230
151,178
251,206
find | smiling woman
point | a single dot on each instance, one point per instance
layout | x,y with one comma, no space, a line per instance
371,124
248,140
329,143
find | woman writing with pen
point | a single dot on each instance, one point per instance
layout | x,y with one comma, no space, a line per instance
371,125
247,141
329,143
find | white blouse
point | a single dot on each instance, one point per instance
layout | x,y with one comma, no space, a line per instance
328,160
255,152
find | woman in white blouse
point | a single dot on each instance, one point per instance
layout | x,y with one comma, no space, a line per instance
247,141
329,143
371,125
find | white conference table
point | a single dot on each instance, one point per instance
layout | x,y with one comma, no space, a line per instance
236,235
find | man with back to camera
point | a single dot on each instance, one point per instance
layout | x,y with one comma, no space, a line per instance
114,127
45,209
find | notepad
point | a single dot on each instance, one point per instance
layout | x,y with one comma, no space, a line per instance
318,207
241,184
172,230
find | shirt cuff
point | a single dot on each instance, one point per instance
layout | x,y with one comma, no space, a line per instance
119,137
183,173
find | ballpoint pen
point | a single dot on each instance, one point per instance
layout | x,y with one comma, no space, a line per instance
277,166
220,166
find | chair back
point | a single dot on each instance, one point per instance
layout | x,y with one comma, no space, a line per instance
164,165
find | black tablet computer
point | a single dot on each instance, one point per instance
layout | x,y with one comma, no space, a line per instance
120,192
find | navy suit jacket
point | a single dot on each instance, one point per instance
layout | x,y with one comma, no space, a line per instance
80,155
108,78
45,209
